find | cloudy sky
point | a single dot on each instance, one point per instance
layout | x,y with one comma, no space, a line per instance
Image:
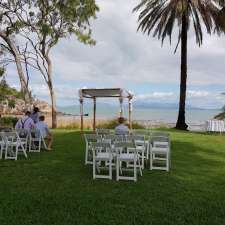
126,58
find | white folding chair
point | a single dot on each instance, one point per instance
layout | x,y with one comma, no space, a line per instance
90,138
160,158
36,141
24,136
126,152
102,155
2,145
142,148
162,137
13,145
160,152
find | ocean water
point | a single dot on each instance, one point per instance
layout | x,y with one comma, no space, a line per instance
157,115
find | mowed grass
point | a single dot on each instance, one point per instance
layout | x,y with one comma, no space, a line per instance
56,188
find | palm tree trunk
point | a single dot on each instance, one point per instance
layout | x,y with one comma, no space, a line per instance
181,124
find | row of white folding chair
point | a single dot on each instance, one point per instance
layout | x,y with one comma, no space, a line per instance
115,155
36,141
141,144
12,145
159,149
20,139
33,138
145,147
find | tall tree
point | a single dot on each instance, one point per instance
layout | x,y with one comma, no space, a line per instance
47,22
9,26
161,16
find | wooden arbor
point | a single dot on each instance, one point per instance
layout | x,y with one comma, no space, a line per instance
119,93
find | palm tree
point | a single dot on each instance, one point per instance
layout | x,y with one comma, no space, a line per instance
160,16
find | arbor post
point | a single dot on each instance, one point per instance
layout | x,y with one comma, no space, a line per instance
81,115
130,112
94,114
121,106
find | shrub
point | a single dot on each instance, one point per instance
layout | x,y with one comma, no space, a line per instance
111,124
69,126
8,121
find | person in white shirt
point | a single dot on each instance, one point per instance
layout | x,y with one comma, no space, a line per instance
121,129
45,132
25,123
35,114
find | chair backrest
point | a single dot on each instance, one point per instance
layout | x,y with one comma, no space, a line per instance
132,150
92,138
110,136
10,136
124,144
100,146
160,134
35,133
138,137
120,138
128,138
161,144
123,147
102,131
6,129
23,133
145,133
160,139
2,137
140,143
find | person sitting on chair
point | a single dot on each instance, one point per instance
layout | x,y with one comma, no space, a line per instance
121,129
44,131
35,114
25,123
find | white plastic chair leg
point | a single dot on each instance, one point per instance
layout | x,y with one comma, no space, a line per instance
1,151
135,171
117,169
94,172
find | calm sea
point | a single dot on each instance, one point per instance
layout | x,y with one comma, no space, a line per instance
158,115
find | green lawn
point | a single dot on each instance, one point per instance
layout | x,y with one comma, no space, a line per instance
55,188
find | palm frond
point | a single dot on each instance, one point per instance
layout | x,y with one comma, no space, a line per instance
160,16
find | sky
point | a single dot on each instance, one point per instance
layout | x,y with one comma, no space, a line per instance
129,59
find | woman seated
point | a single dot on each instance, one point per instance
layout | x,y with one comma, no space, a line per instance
45,132
121,129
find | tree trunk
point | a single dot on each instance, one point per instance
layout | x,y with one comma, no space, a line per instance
52,93
23,82
181,124
54,111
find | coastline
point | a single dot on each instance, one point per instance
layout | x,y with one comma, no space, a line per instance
70,121
65,120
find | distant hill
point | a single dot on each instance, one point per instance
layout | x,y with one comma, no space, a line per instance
138,105
158,105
